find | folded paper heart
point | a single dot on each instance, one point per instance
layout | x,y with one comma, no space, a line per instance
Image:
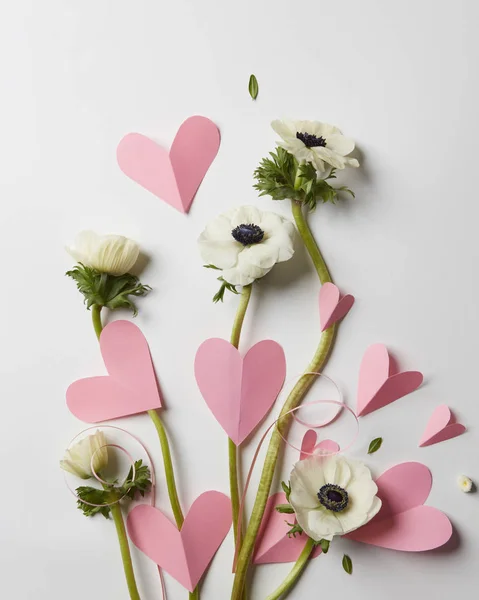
173,176
239,391
332,307
130,386
379,387
184,554
274,545
404,523
441,427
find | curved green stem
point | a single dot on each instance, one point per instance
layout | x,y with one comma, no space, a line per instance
232,448
96,318
125,550
294,399
168,463
295,572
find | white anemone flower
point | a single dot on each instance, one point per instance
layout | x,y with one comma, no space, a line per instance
332,496
246,243
78,459
316,143
112,254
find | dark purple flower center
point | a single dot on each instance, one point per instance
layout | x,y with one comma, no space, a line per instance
310,140
333,497
248,234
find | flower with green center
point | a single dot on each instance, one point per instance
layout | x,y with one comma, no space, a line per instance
245,243
332,496
316,143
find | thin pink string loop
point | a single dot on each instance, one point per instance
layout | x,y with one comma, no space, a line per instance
341,406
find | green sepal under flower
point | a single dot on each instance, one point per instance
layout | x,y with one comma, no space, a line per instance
130,487
282,177
110,291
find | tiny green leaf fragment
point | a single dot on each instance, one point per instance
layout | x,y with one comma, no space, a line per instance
285,509
253,87
375,445
347,564
324,545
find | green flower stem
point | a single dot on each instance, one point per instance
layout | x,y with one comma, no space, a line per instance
165,449
295,572
125,551
96,318
293,400
169,473
232,448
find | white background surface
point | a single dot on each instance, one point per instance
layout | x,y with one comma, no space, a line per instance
400,78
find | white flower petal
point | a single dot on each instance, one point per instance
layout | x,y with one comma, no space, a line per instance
340,144
285,129
221,254
260,255
336,470
307,479
246,215
322,524
218,230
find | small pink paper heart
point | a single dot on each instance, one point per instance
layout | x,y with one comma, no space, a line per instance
173,176
274,545
129,388
309,445
377,385
331,307
441,427
239,391
403,523
184,554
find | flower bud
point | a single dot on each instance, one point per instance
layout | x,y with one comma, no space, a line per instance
78,459
112,254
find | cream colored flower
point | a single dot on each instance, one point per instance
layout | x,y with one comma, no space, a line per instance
78,459
245,243
112,254
465,483
316,143
332,496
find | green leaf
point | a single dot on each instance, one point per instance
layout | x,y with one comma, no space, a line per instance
295,529
347,564
375,445
253,87
286,489
140,484
89,495
324,545
221,292
285,508
211,267
112,291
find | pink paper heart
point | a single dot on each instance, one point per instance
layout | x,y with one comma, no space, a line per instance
331,307
309,445
441,426
131,385
239,391
173,176
403,523
274,545
377,385
184,554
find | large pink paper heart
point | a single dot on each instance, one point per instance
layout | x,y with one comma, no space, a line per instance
239,391
377,385
173,176
332,307
184,554
131,385
403,523
274,545
441,426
